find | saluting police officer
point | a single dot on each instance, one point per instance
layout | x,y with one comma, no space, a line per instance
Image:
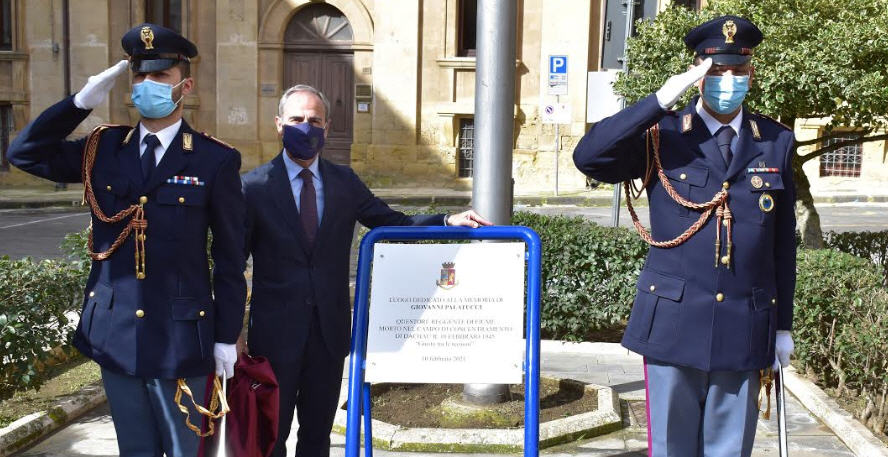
715,299
151,314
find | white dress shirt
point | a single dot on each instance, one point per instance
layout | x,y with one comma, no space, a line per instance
714,124
293,170
165,136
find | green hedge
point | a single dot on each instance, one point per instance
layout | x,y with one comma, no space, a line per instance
841,329
869,245
589,274
35,297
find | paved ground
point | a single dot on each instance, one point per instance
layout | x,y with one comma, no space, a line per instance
38,232
93,435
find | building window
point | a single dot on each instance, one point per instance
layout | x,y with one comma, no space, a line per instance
689,4
467,23
6,25
6,127
167,13
844,161
466,157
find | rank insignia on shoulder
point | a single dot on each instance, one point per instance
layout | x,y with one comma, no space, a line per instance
766,202
186,180
687,121
216,140
187,142
755,129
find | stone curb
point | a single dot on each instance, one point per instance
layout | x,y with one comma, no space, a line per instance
855,435
31,428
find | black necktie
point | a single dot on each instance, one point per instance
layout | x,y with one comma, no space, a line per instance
723,137
308,206
151,143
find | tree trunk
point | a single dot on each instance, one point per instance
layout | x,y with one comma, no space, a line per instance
807,219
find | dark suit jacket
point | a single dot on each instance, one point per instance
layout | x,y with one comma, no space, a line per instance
182,313
290,277
677,317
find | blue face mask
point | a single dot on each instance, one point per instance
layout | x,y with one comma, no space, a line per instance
303,141
154,100
724,94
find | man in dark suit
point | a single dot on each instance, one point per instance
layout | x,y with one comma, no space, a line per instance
715,297
151,317
301,214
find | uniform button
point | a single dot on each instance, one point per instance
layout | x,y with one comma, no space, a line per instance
109,188
140,275
142,237
725,222
653,287
719,297
725,185
773,301
725,260
92,294
307,301
767,184
683,176
140,314
181,199
202,313
143,199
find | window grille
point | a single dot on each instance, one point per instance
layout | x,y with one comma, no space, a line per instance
466,157
844,161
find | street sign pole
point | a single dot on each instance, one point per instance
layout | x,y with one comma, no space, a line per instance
557,147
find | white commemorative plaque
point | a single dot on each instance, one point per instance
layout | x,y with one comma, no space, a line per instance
446,313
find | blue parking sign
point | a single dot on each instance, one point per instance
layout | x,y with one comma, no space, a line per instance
557,65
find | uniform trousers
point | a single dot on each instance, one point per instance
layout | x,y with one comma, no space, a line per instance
700,413
147,421
309,382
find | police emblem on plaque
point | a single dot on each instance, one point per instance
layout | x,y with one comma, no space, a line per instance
448,276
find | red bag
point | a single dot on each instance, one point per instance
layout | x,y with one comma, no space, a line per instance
252,425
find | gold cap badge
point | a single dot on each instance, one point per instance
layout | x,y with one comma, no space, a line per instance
729,30
148,37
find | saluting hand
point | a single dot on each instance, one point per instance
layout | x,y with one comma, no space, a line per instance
676,86
97,86
467,219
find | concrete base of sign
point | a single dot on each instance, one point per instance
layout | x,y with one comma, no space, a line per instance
605,419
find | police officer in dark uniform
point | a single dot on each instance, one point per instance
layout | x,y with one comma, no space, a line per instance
715,296
151,315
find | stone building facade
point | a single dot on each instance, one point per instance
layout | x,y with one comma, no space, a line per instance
400,75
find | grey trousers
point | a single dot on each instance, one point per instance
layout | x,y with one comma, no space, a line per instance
147,421
698,413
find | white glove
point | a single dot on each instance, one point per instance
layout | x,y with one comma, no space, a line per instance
97,87
783,347
225,355
676,85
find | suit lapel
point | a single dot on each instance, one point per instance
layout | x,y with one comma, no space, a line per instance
282,194
699,137
747,148
174,160
128,159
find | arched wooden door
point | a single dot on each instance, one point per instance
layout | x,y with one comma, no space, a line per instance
318,52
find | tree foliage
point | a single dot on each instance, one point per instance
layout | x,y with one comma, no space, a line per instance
819,58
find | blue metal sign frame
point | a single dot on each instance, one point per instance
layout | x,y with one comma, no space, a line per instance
357,388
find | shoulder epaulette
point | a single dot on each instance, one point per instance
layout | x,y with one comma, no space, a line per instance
216,140
774,121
